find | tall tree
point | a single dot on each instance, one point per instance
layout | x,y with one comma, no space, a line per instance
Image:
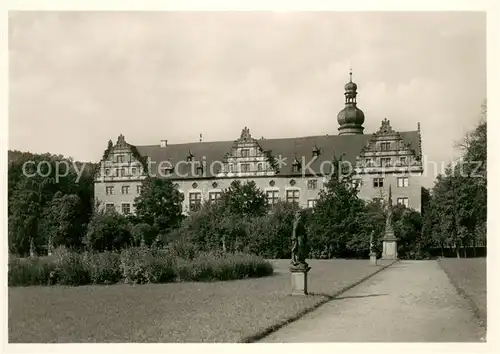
159,204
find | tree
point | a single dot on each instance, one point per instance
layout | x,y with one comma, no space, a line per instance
62,222
159,204
244,199
335,217
108,231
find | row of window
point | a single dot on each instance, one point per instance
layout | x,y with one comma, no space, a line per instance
292,196
400,201
110,190
312,184
125,208
386,161
378,182
122,172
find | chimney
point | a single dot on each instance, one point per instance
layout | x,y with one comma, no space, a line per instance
163,143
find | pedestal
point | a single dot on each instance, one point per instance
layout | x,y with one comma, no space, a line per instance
373,258
299,279
389,248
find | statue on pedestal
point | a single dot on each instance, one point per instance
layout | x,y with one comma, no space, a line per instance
299,244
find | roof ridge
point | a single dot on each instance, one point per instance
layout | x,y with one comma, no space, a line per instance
267,139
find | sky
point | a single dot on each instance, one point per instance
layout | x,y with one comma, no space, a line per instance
78,79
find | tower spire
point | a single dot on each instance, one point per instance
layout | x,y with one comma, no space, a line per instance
351,118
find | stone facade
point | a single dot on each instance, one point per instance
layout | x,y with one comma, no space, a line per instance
293,169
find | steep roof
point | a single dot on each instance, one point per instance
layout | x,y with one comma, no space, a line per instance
347,146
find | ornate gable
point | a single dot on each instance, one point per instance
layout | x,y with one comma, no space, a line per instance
122,160
387,148
247,158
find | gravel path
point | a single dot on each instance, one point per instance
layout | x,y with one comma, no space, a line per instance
411,301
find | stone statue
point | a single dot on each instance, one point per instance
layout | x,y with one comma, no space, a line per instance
299,243
389,210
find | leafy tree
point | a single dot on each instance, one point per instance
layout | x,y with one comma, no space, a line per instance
62,222
244,199
144,234
159,204
408,229
334,220
108,231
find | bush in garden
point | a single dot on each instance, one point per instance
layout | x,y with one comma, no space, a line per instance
108,231
140,265
70,267
143,233
104,268
31,271
137,265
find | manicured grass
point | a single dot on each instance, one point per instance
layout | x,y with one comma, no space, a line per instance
176,312
468,275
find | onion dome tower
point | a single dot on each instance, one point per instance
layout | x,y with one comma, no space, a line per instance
351,118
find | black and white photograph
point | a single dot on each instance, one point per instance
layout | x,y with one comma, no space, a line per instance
246,177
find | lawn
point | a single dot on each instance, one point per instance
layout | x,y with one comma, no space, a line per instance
468,275
176,312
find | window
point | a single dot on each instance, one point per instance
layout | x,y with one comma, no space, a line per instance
311,203
378,182
110,207
356,183
312,184
368,162
199,170
194,201
385,161
121,172
272,198
402,160
125,189
126,208
133,171
109,190
385,146
119,158
214,196
403,201
402,181
244,153
292,196
139,189
245,167
107,172
259,167
231,168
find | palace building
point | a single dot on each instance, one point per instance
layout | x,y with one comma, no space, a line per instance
291,169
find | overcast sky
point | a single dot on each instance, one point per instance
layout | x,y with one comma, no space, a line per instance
78,79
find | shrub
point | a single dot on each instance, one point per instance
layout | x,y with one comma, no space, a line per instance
70,268
108,231
137,265
212,266
182,249
104,268
140,265
31,271
143,234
